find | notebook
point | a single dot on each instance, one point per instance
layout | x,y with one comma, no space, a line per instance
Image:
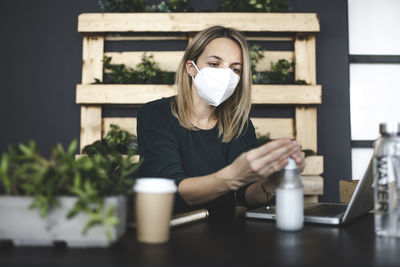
362,201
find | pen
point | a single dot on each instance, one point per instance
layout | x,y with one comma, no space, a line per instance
184,218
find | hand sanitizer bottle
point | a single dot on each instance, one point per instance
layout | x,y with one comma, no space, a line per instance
290,199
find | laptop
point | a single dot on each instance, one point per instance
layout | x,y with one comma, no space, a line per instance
362,201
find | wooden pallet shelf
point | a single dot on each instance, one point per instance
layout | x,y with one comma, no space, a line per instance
193,22
298,28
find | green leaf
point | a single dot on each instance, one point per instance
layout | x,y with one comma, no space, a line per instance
72,147
78,192
93,220
4,163
29,188
110,211
112,221
24,149
4,178
77,180
78,207
60,149
107,230
263,139
87,186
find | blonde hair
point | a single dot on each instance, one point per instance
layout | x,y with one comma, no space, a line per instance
232,114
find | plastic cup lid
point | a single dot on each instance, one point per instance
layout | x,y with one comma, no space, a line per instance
155,185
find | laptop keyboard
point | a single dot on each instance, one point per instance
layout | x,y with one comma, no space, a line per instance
325,210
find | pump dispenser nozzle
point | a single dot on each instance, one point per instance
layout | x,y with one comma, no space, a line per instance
291,165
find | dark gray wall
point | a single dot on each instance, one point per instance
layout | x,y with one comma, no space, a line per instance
41,64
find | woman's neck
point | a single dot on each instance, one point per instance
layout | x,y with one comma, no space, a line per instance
203,116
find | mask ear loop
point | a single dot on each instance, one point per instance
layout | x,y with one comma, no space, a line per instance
194,64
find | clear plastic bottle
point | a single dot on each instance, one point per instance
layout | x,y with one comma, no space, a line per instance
386,180
290,199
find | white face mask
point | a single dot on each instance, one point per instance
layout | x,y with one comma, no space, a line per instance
215,85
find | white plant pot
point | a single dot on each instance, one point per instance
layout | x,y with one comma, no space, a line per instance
25,227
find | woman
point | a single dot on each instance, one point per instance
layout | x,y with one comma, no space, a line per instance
203,137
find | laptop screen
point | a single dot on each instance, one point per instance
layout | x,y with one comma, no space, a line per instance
362,200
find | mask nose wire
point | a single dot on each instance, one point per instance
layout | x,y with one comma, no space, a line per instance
194,64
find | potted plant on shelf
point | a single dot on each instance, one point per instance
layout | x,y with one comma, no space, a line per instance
80,201
181,6
149,72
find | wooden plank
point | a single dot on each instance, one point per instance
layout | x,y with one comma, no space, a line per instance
92,67
121,93
192,22
169,60
305,69
313,185
142,93
306,127
310,199
92,58
346,189
275,127
314,165
90,125
286,94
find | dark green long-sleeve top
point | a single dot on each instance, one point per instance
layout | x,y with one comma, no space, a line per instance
172,151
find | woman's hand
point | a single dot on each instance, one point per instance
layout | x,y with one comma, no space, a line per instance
261,162
256,193
269,183
298,156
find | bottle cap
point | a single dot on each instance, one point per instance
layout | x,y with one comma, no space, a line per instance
391,128
291,164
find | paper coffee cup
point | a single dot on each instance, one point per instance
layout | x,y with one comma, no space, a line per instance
154,201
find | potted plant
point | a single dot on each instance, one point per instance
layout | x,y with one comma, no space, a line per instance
80,201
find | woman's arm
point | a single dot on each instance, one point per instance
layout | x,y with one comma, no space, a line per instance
198,190
158,144
249,167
